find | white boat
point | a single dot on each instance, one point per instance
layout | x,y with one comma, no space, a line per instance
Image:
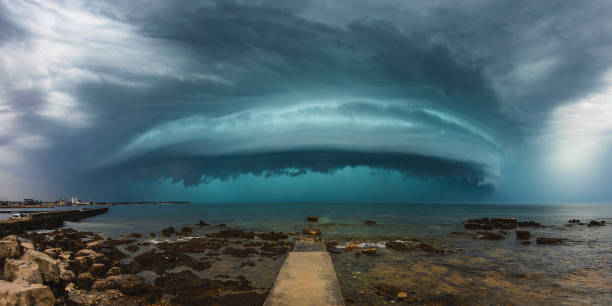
18,216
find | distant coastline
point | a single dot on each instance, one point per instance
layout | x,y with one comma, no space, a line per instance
52,205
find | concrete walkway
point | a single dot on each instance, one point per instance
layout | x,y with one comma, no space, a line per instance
306,278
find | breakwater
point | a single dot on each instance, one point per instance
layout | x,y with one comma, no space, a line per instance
46,220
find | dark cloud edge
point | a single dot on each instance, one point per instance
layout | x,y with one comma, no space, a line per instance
197,170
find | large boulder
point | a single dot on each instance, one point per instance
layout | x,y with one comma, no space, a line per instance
126,283
66,274
17,269
22,293
10,248
48,266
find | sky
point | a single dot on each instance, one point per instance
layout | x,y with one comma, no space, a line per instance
307,101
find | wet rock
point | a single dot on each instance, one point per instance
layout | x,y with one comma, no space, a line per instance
487,226
202,223
396,245
488,236
66,239
114,271
240,253
221,225
66,275
188,289
195,245
368,251
84,281
369,222
167,232
159,262
313,218
529,224
10,248
275,249
274,236
471,225
522,235
114,242
22,293
132,248
526,242
503,225
334,250
47,265
387,290
135,235
573,221
424,247
186,230
98,269
596,223
152,234
126,283
86,298
312,232
552,241
53,252
21,270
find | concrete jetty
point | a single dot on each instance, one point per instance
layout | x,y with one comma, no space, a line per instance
46,220
306,278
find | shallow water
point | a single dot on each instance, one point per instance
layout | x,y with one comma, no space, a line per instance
477,272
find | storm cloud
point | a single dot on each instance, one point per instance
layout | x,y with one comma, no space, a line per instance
101,94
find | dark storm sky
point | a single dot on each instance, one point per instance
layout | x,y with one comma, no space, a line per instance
485,101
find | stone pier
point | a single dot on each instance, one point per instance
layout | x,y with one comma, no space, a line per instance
306,278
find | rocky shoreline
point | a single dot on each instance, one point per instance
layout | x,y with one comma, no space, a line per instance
69,267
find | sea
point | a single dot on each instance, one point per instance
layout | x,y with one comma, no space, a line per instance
471,272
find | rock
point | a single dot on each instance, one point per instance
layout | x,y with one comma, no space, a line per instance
26,246
504,225
334,249
529,224
487,226
369,222
504,220
47,265
489,236
596,223
186,230
221,225
526,242
84,281
471,225
98,269
10,248
21,293
53,252
553,241
313,218
503,232
398,246
86,298
127,283
167,232
274,236
202,223
387,290
132,248
351,246
402,295
240,253
114,271
312,232
368,251
573,221
66,274
522,235
21,270
152,234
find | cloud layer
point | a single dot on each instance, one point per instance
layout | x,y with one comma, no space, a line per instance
101,93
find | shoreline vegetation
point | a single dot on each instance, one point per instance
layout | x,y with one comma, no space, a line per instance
204,264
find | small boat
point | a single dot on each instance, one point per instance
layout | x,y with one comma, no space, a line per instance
18,216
